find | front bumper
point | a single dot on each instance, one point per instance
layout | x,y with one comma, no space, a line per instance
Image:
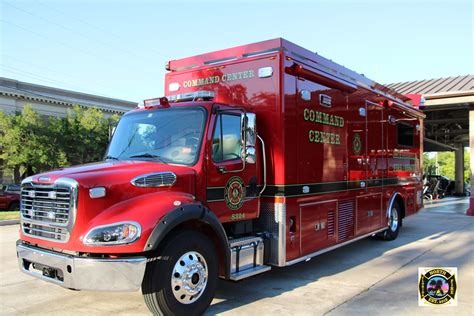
125,274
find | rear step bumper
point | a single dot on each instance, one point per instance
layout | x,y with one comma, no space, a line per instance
124,274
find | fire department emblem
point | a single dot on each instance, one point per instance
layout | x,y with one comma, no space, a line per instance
437,286
234,193
357,144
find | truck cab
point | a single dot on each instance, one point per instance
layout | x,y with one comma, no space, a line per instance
167,165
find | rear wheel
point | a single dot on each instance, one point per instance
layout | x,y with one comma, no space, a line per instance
15,206
394,223
182,281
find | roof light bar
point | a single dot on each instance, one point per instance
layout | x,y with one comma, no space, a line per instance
191,96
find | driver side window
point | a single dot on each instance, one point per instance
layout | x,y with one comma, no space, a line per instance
226,141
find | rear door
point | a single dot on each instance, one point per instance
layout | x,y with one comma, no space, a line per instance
376,164
357,147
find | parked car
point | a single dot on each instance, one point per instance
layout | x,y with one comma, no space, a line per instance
9,201
12,188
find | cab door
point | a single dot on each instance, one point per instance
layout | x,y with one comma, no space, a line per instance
232,180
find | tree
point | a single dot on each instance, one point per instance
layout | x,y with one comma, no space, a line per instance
446,164
31,144
86,133
24,143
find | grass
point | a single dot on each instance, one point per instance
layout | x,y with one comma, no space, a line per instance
9,215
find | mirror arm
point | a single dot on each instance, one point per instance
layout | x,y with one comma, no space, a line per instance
264,160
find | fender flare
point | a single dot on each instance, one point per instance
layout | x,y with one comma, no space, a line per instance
390,204
183,214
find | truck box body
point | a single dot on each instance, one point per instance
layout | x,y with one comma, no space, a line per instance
331,137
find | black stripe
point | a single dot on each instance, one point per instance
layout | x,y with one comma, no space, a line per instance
217,193
390,181
325,187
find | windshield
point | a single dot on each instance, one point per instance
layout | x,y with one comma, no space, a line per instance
166,135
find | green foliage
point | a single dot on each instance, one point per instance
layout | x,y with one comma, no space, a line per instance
86,136
33,144
446,164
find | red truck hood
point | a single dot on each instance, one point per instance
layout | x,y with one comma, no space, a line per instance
106,174
116,177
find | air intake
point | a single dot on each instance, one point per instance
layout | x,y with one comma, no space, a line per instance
154,180
345,220
331,230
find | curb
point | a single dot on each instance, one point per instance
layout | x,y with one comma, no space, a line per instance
10,222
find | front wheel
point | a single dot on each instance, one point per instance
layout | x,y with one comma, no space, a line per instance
183,278
394,224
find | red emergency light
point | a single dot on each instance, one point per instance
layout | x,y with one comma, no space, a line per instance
156,102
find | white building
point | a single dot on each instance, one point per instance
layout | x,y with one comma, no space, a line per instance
49,101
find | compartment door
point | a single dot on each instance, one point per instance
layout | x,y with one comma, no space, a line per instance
318,228
369,213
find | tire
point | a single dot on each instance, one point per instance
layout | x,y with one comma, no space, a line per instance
14,206
162,285
395,222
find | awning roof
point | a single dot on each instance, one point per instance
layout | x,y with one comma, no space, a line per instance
447,104
435,86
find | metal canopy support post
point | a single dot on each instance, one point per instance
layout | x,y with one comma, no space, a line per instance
459,169
470,211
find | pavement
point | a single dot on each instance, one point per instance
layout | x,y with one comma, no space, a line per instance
370,277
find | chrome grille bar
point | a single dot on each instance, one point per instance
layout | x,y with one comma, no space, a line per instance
49,211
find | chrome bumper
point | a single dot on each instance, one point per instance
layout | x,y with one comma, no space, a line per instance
125,274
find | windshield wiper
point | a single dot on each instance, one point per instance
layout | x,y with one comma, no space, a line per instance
147,155
111,158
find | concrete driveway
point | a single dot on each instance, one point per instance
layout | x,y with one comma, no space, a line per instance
366,277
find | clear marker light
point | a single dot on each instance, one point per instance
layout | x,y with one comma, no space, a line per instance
114,234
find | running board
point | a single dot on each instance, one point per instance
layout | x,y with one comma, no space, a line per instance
237,276
246,257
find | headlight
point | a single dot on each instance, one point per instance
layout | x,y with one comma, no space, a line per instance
113,234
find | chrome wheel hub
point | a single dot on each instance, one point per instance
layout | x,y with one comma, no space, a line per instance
393,223
189,277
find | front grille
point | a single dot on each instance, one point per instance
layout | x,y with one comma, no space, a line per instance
46,204
37,230
48,211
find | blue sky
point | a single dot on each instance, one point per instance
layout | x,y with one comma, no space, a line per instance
119,48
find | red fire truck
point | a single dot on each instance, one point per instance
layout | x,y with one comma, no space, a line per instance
259,156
